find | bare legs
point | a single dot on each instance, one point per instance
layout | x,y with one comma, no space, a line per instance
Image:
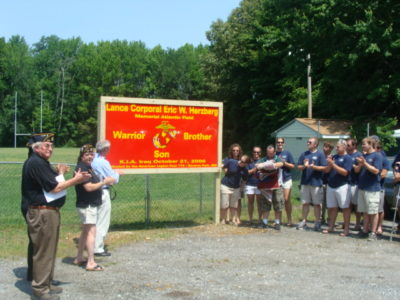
86,240
288,205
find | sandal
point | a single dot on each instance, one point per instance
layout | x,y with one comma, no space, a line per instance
343,234
95,268
326,231
79,263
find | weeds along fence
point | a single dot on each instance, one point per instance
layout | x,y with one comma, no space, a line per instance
141,199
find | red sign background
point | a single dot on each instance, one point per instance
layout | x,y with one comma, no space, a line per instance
147,136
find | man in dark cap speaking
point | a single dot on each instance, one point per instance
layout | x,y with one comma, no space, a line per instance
43,194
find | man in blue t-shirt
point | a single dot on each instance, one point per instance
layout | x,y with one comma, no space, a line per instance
312,164
338,192
353,180
288,165
369,167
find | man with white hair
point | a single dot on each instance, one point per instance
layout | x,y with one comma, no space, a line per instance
103,169
43,190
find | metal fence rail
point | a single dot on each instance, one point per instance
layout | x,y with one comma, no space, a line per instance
139,198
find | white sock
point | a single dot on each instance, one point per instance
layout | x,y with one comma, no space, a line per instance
277,221
265,221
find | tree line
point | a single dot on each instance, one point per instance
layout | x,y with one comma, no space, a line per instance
255,63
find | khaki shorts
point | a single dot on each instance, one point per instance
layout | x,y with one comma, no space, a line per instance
338,197
353,194
271,198
311,194
287,185
381,201
229,197
368,202
88,215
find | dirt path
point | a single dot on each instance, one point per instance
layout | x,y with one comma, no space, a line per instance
224,262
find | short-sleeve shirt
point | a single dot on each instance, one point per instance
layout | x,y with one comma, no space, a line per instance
234,174
385,166
335,179
38,175
83,197
252,179
368,181
270,179
353,175
396,160
286,172
308,175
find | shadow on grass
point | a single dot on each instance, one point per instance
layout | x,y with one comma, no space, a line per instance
155,225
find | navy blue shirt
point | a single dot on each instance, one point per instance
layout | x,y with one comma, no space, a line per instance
353,174
308,175
252,180
368,181
234,174
385,166
336,180
286,172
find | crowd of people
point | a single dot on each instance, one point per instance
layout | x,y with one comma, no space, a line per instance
43,191
350,180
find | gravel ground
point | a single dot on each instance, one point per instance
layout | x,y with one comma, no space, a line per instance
226,262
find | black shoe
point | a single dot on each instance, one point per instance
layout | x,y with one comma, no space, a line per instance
55,282
277,226
103,254
362,235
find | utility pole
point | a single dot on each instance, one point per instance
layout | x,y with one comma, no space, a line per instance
309,88
15,120
41,111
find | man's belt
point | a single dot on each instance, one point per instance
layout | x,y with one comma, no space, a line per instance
44,207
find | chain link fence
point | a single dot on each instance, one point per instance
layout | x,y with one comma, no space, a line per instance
139,199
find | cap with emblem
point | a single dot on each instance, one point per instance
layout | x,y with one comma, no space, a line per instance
40,137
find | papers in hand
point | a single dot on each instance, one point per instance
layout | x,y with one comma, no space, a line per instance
54,196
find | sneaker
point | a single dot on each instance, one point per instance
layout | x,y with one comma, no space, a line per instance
372,237
301,225
277,226
317,226
262,225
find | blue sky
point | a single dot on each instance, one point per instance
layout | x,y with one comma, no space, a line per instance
170,23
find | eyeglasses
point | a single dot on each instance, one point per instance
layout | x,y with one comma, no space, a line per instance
280,142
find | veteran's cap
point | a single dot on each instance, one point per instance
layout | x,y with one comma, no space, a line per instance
40,137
